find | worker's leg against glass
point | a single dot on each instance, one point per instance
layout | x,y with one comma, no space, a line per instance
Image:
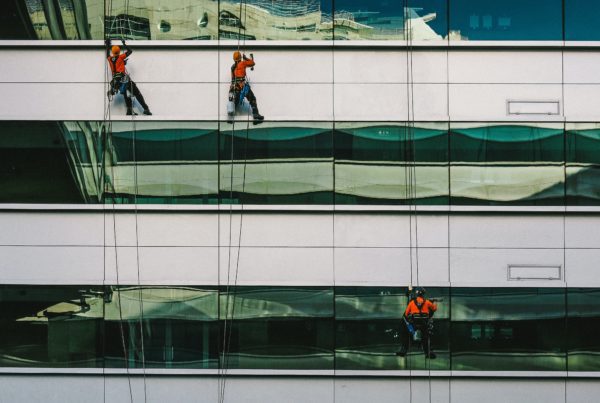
138,95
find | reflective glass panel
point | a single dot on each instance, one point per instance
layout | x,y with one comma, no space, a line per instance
58,326
387,163
388,20
499,164
168,163
582,19
370,330
58,19
45,162
583,163
177,327
277,163
506,20
278,327
508,329
584,329
275,20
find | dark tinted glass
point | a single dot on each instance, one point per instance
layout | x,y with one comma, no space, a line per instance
391,163
58,326
38,163
583,164
508,329
506,164
584,329
277,163
370,330
177,327
582,19
514,20
278,327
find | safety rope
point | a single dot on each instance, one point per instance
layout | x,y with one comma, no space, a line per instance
107,131
231,292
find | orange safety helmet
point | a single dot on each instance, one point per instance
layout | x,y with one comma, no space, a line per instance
237,56
115,50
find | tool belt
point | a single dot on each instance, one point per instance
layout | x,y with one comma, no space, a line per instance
119,82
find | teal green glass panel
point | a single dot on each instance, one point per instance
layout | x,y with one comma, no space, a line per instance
44,162
506,20
582,18
390,163
51,326
584,329
277,163
508,329
277,327
161,327
507,164
274,20
162,163
583,164
390,20
370,330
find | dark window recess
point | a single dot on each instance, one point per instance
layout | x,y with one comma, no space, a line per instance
124,26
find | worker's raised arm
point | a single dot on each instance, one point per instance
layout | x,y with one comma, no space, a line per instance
248,62
107,46
127,49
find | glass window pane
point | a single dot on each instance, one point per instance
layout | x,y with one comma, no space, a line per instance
44,162
278,327
58,326
179,327
506,20
370,330
389,20
584,329
277,163
583,163
275,20
500,164
582,18
58,20
374,163
508,329
175,163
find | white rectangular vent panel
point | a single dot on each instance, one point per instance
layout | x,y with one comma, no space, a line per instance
532,272
533,107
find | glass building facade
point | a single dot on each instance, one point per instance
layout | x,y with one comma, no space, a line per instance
420,20
324,328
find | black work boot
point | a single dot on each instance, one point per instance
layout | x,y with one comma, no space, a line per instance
130,112
147,112
258,118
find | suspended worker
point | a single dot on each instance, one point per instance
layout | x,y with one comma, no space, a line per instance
418,322
240,88
121,82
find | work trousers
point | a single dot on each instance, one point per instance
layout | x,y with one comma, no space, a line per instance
134,91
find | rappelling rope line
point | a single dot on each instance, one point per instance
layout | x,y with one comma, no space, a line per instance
231,296
334,204
108,134
135,206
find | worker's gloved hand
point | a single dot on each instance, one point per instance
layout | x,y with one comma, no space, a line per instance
244,57
123,42
107,42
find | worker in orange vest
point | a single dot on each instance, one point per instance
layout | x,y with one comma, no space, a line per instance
240,88
121,82
418,322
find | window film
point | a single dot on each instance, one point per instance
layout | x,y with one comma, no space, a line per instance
391,163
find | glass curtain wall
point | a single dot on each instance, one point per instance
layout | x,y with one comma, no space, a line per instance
583,163
318,328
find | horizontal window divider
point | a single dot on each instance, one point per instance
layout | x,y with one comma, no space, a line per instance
314,44
298,373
